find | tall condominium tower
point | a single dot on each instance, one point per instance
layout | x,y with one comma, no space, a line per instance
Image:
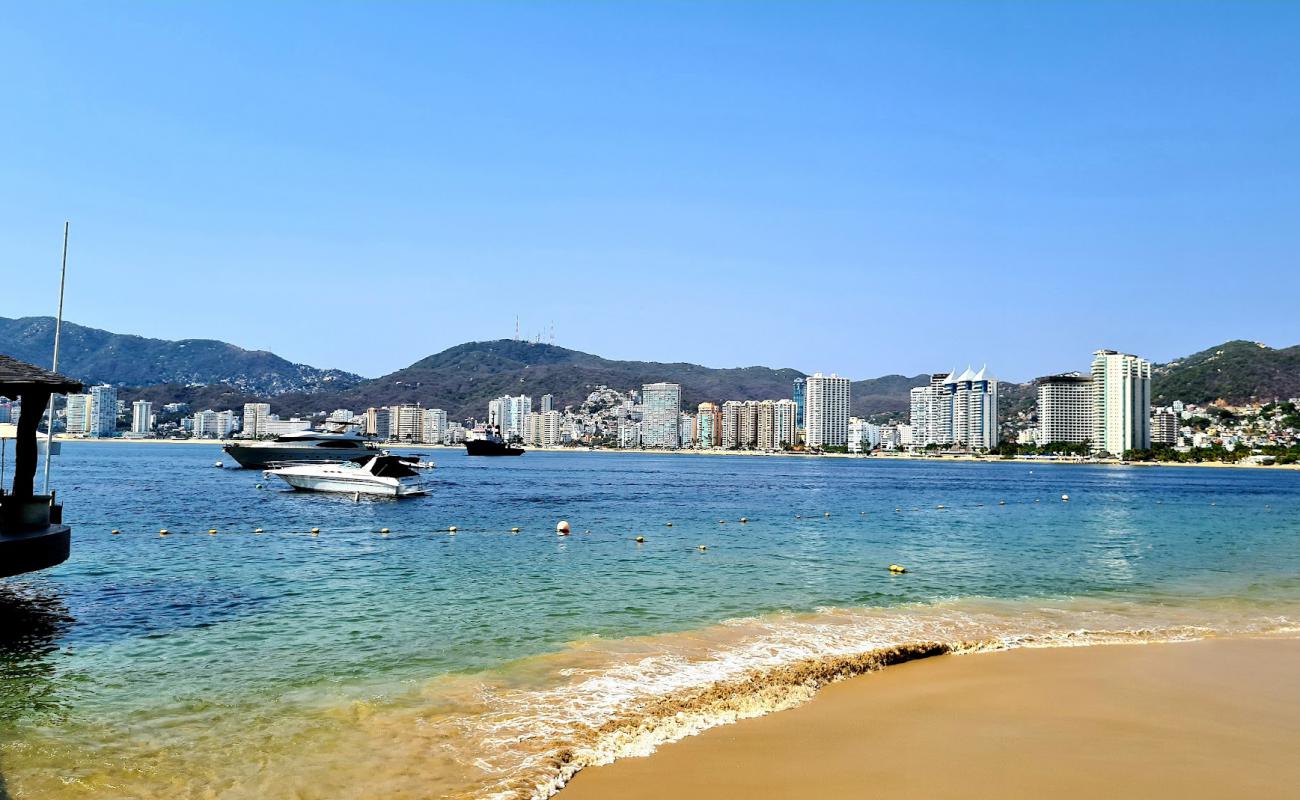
930,423
826,410
776,424
76,414
661,407
730,424
141,415
1065,409
433,424
747,424
256,416
102,420
1121,402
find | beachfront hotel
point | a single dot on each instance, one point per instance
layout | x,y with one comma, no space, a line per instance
956,409
826,410
1065,409
1121,398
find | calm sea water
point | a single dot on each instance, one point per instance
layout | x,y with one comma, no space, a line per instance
488,663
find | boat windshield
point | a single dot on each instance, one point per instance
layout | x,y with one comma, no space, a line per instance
389,467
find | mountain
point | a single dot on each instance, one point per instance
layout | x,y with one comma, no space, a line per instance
98,356
464,378
1236,371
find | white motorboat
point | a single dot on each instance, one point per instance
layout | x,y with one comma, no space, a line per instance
301,447
387,476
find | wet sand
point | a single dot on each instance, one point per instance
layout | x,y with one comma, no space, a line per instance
1218,718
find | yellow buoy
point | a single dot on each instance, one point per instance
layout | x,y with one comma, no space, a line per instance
315,531
827,514
897,569
383,530
257,530
514,530
212,531
1065,497
640,539
562,526
703,548
451,529
163,532
115,531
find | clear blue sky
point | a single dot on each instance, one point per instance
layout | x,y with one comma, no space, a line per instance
859,187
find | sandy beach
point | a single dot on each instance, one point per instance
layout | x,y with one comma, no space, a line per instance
1216,718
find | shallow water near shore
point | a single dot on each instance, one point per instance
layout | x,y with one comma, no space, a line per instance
486,663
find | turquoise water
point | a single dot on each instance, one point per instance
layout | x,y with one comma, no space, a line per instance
424,663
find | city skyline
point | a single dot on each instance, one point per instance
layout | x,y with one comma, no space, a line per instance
1056,151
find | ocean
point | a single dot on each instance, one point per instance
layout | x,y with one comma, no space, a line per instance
486,663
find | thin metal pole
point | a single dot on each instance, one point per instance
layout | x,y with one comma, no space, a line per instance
58,330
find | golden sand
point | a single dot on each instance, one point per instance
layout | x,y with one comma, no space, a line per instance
1217,718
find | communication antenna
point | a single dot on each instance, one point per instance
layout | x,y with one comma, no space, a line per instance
552,332
516,327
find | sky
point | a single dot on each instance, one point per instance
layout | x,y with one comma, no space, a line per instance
859,187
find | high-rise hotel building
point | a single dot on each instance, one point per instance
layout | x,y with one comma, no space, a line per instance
956,409
826,410
1064,409
661,408
1121,402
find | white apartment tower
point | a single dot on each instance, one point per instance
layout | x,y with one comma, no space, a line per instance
76,414
826,410
729,438
101,421
141,416
255,417
660,415
1064,409
1121,402
433,425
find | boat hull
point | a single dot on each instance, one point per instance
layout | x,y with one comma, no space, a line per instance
485,447
263,455
343,484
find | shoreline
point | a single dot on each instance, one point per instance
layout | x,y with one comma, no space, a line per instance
746,453
1208,718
